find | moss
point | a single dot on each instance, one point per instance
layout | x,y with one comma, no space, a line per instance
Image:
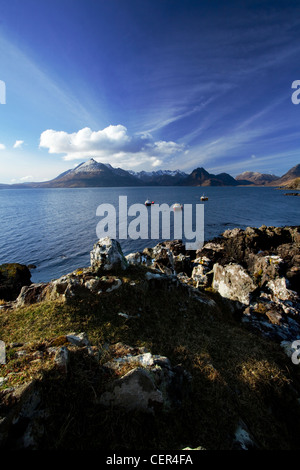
261,308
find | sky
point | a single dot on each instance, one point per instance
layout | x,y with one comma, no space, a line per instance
148,85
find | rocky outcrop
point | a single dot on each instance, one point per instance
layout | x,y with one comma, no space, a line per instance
256,272
107,255
151,384
137,381
13,277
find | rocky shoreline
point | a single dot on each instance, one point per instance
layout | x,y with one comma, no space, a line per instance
256,271
254,274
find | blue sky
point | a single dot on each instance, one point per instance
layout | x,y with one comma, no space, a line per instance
148,85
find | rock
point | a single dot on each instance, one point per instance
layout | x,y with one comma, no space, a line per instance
279,290
115,286
233,282
264,268
80,339
142,360
138,258
289,347
182,264
202,272
136,390
63,288
242,438
13,277
61,359
152,383
170,257
272,319
107,255
30,294
156,276
18,411
230,233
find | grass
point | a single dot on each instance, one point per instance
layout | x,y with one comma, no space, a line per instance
235,373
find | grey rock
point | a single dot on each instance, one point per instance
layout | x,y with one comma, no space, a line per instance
61,359
233,282
107,255
136,390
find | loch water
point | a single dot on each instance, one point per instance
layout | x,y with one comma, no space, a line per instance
55,229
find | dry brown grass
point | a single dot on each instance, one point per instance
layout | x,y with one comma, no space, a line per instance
235,373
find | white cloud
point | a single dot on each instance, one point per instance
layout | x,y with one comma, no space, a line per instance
110,145
2,147
166,148
18,144
110,139
26,178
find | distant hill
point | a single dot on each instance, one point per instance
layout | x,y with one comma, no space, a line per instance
201,177
292,174
254,177
293,184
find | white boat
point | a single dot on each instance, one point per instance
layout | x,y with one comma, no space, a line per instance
177,207
148,202
204,198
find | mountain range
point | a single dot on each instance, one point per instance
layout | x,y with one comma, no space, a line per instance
94,174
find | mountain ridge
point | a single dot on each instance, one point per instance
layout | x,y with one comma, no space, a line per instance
95,174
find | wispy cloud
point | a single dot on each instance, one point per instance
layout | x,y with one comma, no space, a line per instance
18,144
26,178
44,92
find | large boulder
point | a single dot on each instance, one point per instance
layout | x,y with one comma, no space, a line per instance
13,276
233,282
152,384
107,255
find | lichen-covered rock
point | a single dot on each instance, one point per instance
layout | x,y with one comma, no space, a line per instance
233,282
151,384
138,258
136,390
280,291
107,255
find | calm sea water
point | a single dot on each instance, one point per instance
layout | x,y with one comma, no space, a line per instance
55,229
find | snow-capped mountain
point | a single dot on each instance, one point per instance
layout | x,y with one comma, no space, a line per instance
151,174
90,166
93,174
160,177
